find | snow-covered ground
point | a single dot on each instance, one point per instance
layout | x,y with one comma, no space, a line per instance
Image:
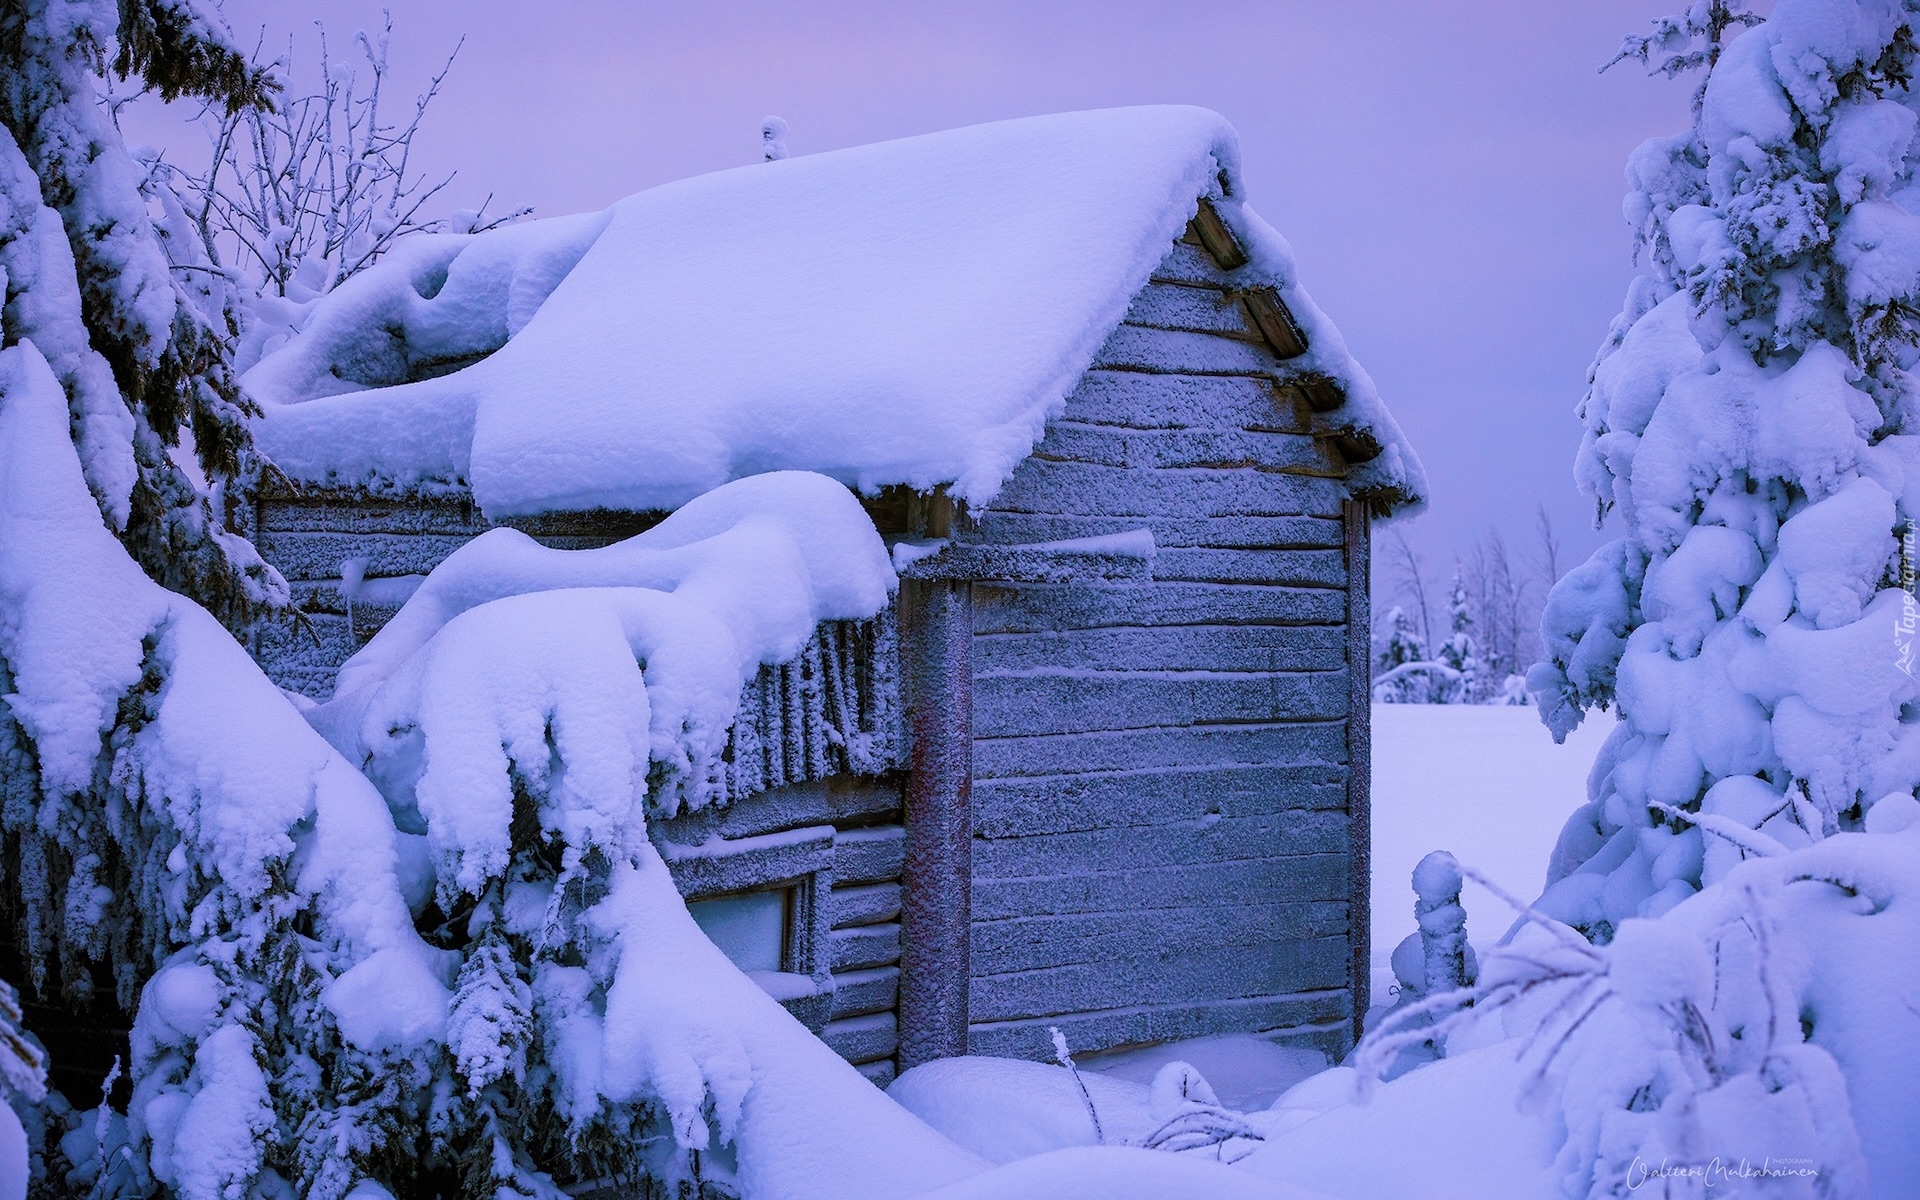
1485,782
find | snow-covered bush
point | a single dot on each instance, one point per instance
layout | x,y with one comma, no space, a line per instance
1752,421
1763,1025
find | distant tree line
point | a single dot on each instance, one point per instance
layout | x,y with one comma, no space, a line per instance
1472,642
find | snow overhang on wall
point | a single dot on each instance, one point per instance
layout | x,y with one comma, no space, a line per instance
910,312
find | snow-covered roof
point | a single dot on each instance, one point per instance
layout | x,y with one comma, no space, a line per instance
909,312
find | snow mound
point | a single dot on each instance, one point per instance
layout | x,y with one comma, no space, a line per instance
628,658
910,312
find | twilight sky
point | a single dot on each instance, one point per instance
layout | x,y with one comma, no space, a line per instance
1449,175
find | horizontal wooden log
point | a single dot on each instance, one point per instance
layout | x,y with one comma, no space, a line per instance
1024,608
1024,806
1166,648
314,596
580,529
1089,489
869,855
880,1072
323,514
320,510
1098,561
1317,745
858,993
1222,449
1196,309
1215,838
839,800
1304,1018
319,555
1138,400
1268,313
1254,881
862,1039
1223,533
1034,943
1061,702
1291,568
1219,241
1183,976
1188,263
864,946
1178,352
865,904
713,868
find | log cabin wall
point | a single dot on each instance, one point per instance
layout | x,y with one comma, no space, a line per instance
1160,798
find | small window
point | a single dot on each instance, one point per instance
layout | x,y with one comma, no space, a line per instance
749,927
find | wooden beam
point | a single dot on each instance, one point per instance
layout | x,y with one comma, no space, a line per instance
936,901
1359,759
1322,393
1217,238
1274,320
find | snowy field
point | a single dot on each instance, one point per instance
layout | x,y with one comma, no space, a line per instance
1485,782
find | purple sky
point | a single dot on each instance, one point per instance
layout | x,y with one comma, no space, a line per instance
1450,175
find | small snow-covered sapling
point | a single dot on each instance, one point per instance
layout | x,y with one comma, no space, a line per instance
1443,923
773,139
1065,1059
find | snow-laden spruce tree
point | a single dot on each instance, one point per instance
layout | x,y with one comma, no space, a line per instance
1460,651
1402,643
1753,421
159,421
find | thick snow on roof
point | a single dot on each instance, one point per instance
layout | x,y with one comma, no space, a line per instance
907,312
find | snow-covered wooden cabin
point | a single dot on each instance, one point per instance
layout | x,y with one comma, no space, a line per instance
1104,766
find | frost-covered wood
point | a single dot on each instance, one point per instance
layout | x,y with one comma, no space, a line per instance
869,855
1315,1019
1117,447
1062,803
864,946
1275,533
1170,648
1095,490
1200,310
1359,758
1198,971
1133,400
832,710
865,904
863,1039
937,617
857,993
1216,840
1293,755
1021,609
1076,701
1162,796
1028,943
